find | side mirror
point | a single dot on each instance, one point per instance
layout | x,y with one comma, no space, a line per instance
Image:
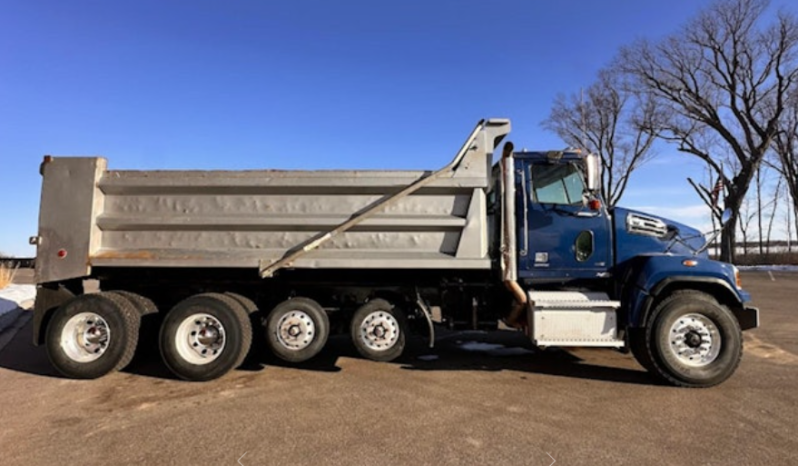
593,172
725,217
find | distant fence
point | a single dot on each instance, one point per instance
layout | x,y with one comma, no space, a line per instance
21,262
775,253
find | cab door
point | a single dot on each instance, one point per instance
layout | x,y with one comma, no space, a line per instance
560,238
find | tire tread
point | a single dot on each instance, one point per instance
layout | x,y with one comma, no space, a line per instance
132,322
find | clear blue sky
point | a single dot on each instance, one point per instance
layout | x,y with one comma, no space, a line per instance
300,84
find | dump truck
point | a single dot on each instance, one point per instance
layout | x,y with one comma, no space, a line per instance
214,259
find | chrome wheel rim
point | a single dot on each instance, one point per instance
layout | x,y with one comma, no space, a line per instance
200,339
379,331
694,340
296,330
85,337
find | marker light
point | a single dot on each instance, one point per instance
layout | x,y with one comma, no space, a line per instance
689,263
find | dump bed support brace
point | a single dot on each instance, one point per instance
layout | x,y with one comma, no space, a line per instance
268,268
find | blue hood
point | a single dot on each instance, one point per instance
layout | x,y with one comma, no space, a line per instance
638,233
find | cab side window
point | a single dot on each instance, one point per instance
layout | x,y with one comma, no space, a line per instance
557,184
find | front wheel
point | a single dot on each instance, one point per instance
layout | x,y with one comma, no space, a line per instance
693,341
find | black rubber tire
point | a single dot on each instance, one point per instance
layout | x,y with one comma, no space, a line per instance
238,333
149,325
665,364
320,320
249,305
258,348
378,305
123,325
143,305
637,343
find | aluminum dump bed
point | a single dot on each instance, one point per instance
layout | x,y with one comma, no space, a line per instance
266,219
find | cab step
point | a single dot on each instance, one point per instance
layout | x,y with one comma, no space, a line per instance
573,318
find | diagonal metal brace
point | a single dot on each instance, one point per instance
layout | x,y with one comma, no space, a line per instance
374,209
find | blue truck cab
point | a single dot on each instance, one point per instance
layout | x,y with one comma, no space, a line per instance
680,312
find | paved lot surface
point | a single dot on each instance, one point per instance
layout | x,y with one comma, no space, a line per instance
582,407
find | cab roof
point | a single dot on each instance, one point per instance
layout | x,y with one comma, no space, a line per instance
568,155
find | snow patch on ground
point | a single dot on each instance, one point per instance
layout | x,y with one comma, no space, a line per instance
769,268
14,296
428,357
512,351
494,349
479,346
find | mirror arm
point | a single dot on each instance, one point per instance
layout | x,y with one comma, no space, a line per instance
708,242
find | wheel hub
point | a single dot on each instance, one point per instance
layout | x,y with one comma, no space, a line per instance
200,339
379,331
296,330
208,336
85,337
694,340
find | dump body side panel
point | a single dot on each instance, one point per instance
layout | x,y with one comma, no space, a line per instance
241,219
200,219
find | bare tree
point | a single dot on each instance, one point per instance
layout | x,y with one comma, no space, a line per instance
788,219
609,120
775,203
786,147
759,208
746,215
725,78
710,194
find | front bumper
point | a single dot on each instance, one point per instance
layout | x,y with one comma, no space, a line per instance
748,318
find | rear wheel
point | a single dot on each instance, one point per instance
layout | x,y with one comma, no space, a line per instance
693,341
92,335
205,336
378,330
297,329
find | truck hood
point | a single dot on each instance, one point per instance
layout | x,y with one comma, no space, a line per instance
638,233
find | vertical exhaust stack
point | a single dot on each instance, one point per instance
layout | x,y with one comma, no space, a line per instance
509,246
